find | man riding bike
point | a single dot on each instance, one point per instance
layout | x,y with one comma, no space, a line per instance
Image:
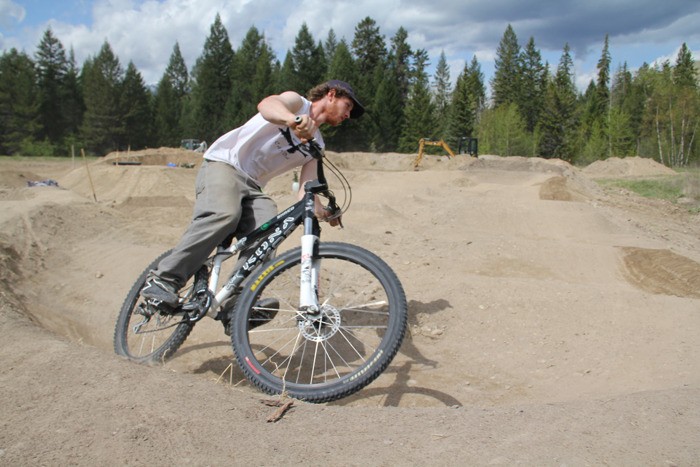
229,197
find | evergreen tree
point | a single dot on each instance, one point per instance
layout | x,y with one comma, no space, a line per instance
212,85
275,74
342,65
330,45
596,112
251,75
477,89
19,104
685,73
533,76
392,78
390,115
169,103
420,110
265,75
626,110
467,104
308,61
52,67
166,109
73,107
287,75
590,131
620,134
370,54
177,74
102,125
135,108
602,100
558,122
442,91
505,83
400,59
621,87
461,121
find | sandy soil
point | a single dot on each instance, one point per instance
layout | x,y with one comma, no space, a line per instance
552,322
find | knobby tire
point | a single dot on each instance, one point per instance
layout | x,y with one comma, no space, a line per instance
347,346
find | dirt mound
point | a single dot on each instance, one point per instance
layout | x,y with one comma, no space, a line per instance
396,161
662,272
565,184
526,164
616,167
118,184
17,178
160,157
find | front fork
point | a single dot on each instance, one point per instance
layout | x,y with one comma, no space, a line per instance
310,265
310,261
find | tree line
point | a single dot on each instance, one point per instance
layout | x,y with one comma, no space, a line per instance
49,104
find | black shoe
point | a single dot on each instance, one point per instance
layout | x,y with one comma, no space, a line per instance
158,291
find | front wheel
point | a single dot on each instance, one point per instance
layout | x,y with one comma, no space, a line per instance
331,354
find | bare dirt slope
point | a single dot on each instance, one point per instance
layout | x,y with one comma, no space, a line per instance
552,322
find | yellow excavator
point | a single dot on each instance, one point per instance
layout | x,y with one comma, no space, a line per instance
426,142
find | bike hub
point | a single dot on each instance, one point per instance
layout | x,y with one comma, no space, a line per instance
321,328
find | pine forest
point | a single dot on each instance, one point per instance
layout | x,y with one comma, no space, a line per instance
51,104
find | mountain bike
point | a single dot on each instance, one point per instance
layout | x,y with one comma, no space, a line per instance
318,322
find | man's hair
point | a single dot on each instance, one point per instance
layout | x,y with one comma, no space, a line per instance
317,93
342,89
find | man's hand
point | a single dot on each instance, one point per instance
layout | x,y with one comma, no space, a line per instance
304,128
334,218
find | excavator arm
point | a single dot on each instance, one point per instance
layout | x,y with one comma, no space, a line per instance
426,142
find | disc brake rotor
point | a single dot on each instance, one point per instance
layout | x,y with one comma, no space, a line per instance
322,328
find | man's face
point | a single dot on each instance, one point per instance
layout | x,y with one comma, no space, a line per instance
339,108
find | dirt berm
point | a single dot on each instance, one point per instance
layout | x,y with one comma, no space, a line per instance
552,322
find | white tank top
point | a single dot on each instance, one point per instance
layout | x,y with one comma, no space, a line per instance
260,149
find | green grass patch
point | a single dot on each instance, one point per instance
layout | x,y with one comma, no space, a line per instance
684,186
668,188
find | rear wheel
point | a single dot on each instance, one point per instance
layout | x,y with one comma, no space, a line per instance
148,334
329,355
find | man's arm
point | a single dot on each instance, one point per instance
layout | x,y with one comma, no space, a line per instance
281,109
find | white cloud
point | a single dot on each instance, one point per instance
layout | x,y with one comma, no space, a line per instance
145,31
10,13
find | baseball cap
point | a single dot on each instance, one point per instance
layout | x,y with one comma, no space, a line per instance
357,109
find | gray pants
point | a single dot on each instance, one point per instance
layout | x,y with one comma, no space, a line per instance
227,202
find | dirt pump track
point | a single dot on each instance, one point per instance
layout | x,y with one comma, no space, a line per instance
552,321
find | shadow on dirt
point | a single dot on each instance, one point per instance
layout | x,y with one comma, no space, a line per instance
409,358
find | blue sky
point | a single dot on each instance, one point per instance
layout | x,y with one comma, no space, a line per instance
145,31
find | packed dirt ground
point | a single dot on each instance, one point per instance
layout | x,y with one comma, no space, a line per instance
552,321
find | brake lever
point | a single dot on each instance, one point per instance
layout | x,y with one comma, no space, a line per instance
335,213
